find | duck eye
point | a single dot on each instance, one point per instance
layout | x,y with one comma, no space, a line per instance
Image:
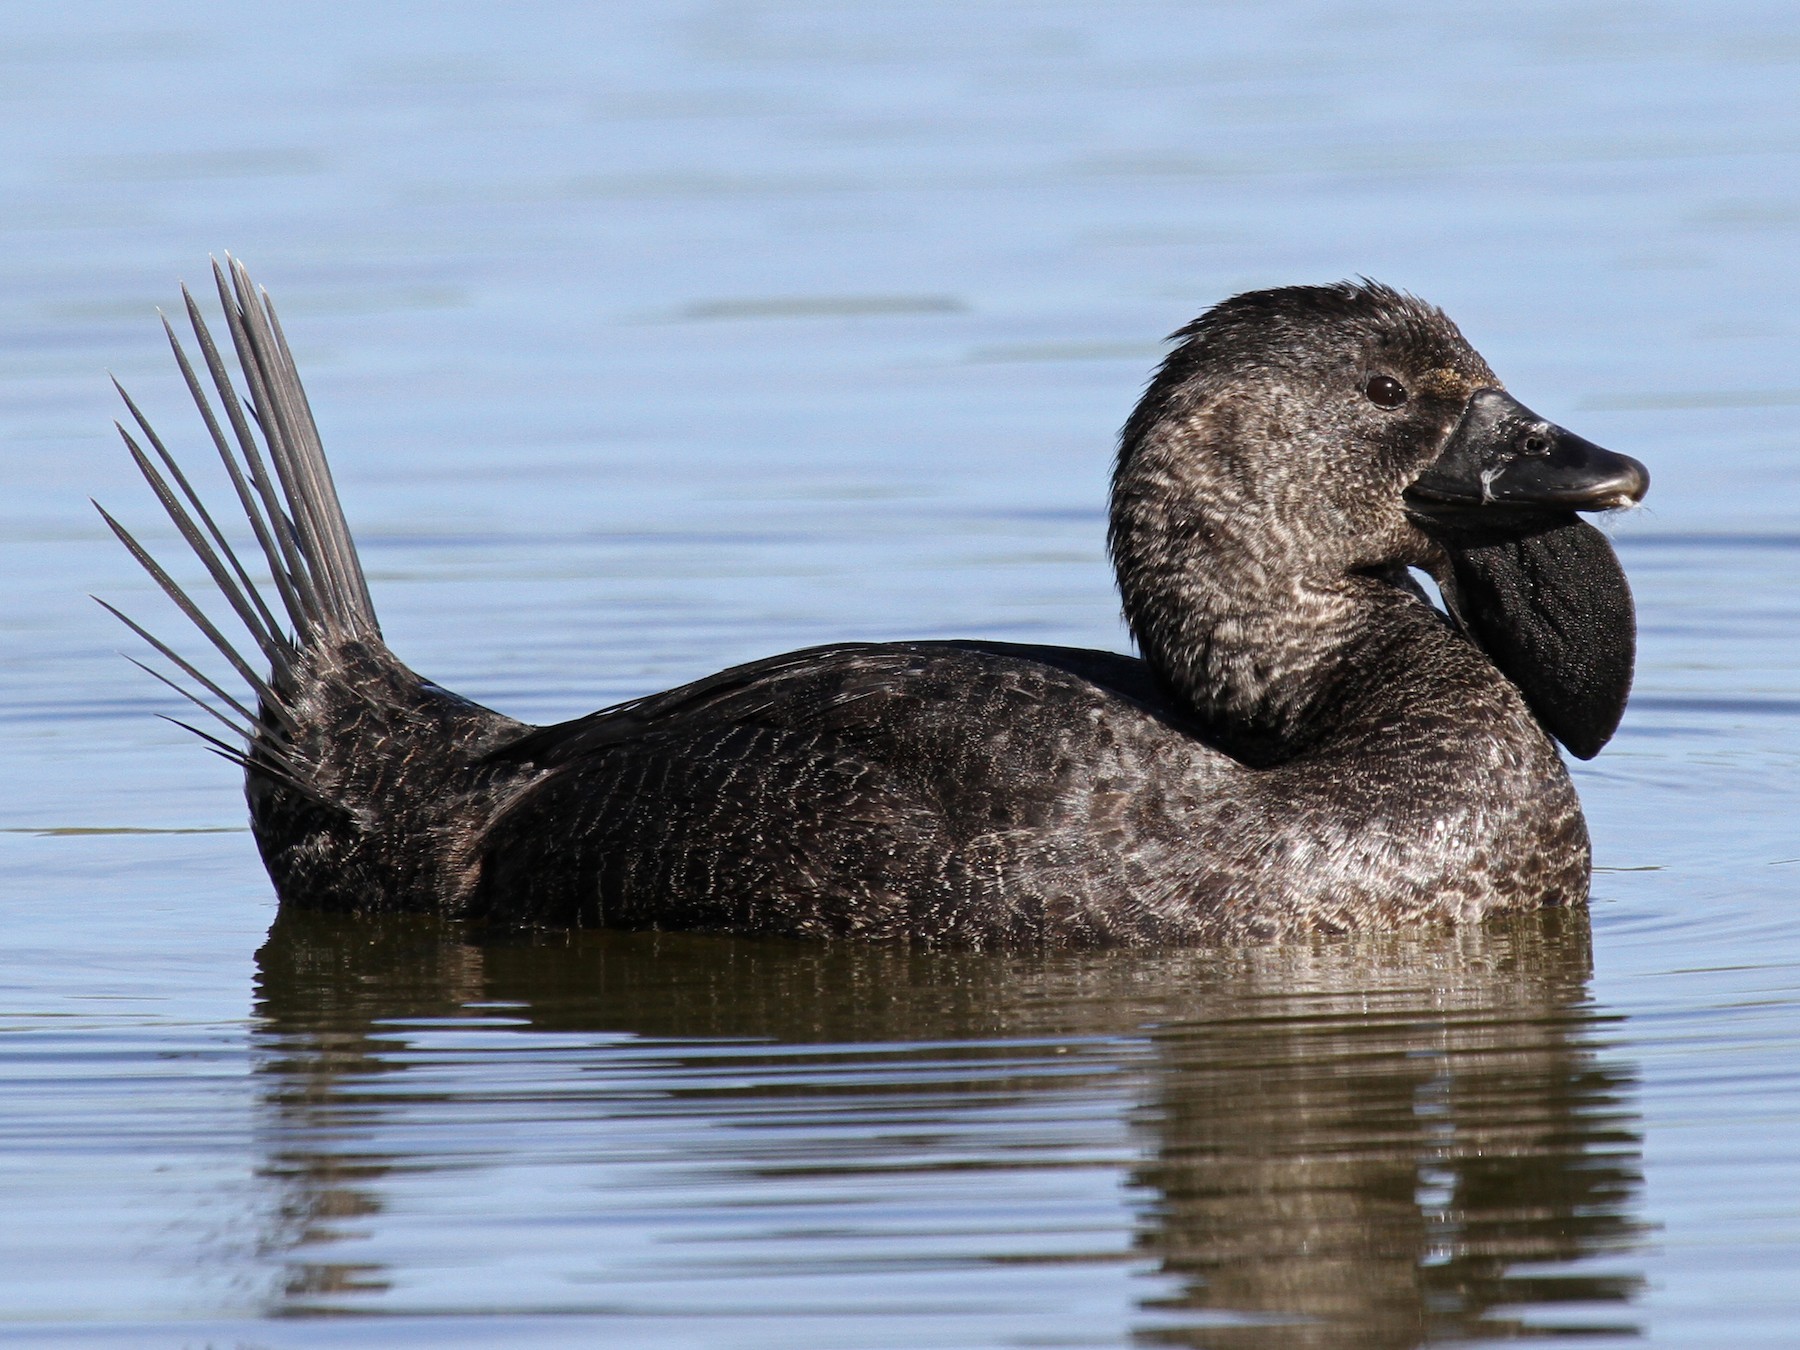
1384,391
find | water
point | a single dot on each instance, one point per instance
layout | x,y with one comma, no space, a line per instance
648,338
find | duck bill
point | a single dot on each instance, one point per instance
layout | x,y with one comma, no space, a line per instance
1538,589
1503,456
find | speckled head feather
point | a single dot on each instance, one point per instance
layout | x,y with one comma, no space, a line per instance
1360,326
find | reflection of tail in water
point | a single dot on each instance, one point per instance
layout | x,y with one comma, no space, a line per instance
1358,1144
325,987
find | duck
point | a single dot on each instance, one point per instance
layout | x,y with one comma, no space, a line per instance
1307,741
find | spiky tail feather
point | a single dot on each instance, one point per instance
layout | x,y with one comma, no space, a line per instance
338,722
293,512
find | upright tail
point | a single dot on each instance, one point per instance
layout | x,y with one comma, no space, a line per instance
353,764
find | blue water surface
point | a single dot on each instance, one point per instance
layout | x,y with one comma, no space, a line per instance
647,338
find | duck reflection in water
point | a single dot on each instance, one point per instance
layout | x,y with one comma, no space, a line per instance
1363,1142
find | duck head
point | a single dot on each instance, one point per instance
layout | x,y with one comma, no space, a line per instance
1297,452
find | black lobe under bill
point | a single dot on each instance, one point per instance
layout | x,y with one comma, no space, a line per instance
1552,610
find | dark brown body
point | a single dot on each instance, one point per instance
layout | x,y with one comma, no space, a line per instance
840,793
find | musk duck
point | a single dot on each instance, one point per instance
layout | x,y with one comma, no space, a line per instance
1307,742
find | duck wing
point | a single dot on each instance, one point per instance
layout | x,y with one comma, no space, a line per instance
871,790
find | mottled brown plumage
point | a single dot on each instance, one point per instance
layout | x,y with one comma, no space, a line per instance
1306,745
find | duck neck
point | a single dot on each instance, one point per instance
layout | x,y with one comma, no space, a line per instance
1266,675
1265,642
